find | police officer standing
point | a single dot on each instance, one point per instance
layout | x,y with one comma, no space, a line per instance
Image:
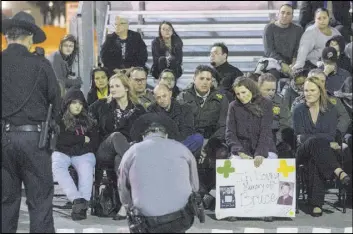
157,178
28,87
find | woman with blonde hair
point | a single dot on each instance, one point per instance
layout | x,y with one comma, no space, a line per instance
115,116
315,124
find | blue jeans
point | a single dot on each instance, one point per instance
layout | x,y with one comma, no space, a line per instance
84,166
194,142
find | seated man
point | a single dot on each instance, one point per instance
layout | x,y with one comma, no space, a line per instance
123,49
281,41
167,77
226,72
295,88
209,107
282,133
343,60
335,75
138,79
180,114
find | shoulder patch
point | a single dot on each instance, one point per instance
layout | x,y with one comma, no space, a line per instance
276,110
219,96
333,100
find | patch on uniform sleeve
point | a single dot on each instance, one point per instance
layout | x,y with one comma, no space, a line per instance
276,110
219,96
333,101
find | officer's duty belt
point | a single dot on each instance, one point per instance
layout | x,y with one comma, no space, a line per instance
158,220
23,128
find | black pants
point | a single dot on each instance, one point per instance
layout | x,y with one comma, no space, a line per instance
111,150
321,161
108,156
23,161
162,64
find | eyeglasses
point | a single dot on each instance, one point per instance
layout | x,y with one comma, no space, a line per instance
139,80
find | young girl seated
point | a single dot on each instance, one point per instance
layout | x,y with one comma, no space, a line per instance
77,142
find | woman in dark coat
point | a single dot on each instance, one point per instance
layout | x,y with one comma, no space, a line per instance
167,51
115,116
315,125
99,85
249,122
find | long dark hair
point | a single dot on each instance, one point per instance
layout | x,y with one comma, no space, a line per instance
96,69
176,40
83,119
254,106
71,58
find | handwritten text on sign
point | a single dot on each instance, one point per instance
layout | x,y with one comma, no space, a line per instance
268,190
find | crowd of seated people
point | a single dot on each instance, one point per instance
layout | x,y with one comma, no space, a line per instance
223,113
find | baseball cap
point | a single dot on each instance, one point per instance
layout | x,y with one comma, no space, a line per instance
329,54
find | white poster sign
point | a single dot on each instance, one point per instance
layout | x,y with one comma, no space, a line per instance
242,190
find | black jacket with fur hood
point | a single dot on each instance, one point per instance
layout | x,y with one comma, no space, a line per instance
71,140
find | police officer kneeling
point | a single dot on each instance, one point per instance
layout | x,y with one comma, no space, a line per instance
158,180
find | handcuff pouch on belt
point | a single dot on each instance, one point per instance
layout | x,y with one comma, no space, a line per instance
196,206
137,223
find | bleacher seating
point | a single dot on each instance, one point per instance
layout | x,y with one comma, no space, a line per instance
240,30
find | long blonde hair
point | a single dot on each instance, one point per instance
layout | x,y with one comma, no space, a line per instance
126,82
323,101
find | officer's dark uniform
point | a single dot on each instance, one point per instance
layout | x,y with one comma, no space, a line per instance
26,76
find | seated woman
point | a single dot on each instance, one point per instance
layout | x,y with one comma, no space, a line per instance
167,51
249,121
99,85
63,61
248,126
115,116
315,123
77,142
314,40
167,77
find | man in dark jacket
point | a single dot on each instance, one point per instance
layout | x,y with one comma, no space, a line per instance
341,19
339,44
180,114
123,49
29,86
227,72
335,75
209,107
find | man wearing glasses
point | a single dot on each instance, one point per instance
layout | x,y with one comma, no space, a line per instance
167,78
123,49
138,77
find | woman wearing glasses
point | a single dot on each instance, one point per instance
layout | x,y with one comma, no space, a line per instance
167,51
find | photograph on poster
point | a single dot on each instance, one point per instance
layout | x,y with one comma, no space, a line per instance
227,195
285,196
